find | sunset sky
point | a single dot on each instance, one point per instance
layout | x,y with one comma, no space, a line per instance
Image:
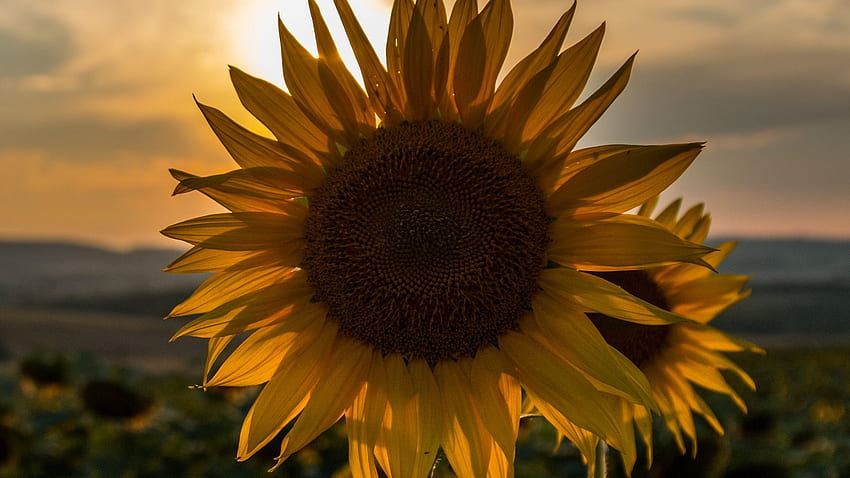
96,104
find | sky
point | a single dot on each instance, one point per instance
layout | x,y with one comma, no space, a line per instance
96,104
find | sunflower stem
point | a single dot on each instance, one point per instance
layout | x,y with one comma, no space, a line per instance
600,470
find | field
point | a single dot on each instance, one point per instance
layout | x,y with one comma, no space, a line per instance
82,411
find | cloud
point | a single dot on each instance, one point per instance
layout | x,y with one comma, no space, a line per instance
733,95
123,202
31,45
717,68
752,140
111,59
87,138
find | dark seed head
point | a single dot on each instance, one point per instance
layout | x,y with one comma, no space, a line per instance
427,241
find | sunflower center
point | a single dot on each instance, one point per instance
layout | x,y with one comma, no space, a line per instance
639,343
427,241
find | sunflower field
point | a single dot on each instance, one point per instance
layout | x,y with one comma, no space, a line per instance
77,416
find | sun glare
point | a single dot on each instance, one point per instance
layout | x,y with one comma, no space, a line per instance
258,48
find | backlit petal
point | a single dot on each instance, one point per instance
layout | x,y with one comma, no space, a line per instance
242,231
363,420
529,66
573,337
466,441
561,136
498,396
554,381
277,110
407,444
623,181
331,395
317,91
255,360
383,93
598,295
551,92
597,242
482,50
286,394
222,288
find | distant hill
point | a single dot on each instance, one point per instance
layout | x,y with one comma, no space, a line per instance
56,273
790,261
799,286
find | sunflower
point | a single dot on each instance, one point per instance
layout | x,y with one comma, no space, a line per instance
674,357
406,254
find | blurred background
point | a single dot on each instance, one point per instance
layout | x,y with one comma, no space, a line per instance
95,106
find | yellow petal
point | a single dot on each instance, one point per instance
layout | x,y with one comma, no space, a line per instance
463,12
407,445
643,423
529,66
343,379
701,228
383,93
424,68
277,110
551,93
723,250
584,440
708,415
418,67
593,294
482,50
669,214
252,150
215,347
709,377
396,445
434,14
226,286
429,410
629,453
680,412
714,339
362,112
685,225
286,394
500,466
253,189
555,381
572,336
242,231
674,276
649,206
258,356
562,135
199,259
264,307
703,299
400,16
597,242
466,441
499,399
319,96
712,359
623,181
656,373
555,171
363,420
